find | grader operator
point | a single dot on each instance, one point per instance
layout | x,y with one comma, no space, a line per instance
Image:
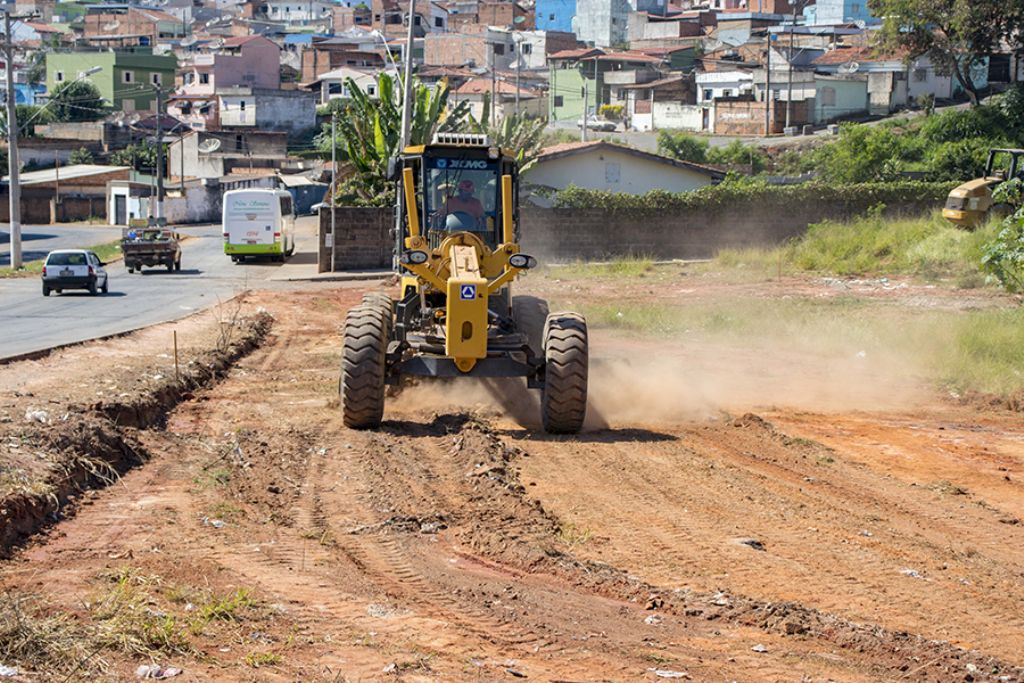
457,247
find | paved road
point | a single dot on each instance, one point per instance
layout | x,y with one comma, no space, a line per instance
31,322
38,240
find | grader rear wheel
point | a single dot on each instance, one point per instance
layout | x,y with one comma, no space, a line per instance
564,402
361,385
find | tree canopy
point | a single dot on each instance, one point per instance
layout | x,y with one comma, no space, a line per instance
77,101
957,35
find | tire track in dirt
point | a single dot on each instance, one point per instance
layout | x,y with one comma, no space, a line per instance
849,574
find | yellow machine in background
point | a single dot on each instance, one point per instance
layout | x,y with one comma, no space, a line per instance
970,204
457,245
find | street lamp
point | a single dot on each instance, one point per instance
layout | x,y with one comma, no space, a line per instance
13,165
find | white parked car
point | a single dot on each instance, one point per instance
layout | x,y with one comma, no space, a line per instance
74,269
595,123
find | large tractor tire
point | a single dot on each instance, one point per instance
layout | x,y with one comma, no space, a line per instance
361,385
530,315
379,299
564,401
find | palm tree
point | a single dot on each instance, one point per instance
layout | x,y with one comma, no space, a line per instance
369,133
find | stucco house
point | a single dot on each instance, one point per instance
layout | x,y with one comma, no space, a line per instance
601,165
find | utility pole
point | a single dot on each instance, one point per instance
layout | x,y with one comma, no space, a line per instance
334,183
159,154
519,68
407,82
493,114
789,95
583,128
13,166
768,89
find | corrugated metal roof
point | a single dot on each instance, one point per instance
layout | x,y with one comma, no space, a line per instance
65,173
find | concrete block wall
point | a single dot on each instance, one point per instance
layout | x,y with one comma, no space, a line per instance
361,241
560,235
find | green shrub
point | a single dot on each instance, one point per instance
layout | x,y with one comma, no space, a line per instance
756,195
928,247
738,154
682,146
961,159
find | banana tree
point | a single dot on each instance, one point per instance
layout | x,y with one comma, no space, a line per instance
522,135
370,130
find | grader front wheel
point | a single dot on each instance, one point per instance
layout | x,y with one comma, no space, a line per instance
564,402
361,385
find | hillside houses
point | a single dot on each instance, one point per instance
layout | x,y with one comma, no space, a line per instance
252,75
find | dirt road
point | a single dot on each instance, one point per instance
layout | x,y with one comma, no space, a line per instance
263,541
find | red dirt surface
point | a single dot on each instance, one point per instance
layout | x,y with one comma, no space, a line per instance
455,544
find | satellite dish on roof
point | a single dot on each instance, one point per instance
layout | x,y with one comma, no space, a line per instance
849,68
209,146
189,42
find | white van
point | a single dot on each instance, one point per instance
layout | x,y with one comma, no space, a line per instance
258,223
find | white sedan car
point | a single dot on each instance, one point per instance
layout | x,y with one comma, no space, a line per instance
595,123
74,269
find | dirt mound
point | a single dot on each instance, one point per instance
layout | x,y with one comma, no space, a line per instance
89,446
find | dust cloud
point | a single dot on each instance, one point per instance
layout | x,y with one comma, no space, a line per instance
635,383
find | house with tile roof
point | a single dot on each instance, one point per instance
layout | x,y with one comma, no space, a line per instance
602,165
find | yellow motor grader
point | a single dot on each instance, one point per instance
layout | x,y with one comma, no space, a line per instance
970,204
457,247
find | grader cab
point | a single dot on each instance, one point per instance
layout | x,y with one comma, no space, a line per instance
457,247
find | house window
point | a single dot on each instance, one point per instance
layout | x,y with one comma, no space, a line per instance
612,172
709,94
527,49
242,105
727,93
156,79
828,97
854,9
499,49
559,101
439,22
186,108
920,75
551,17
204,78
334,88
59,77
127,77
371,90
190,78
238,143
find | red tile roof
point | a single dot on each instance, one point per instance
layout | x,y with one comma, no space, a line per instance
842,55
241,40
479,86
577,53
569,148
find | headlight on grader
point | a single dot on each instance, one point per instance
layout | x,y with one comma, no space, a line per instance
414,257
522,261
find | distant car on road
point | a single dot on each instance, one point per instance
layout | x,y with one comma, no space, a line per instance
595,123
150,247
74,269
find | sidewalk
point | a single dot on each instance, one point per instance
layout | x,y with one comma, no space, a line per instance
302,266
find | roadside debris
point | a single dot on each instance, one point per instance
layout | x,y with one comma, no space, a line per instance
752,543
912,573
652,620
155,671
40,416
8,671
760,648
668,673
215,523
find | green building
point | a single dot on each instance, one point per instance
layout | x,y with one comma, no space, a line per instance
566,85
127,77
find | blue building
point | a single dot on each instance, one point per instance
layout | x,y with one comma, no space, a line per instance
832,12
555,15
